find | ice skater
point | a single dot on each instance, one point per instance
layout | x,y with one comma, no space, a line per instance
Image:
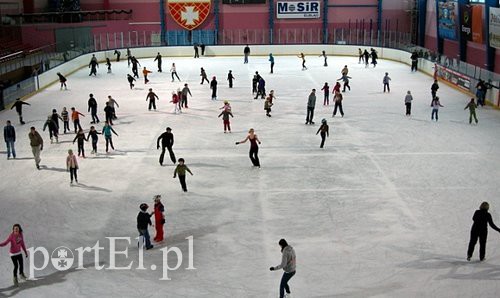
360,56
75,116
336,88
344,71
337,99
288,264
261,89
366,57
108,64
129,57
176,102
92,108
17,246
158,58
55,117
246,53
52,126
479,230
434,88
93,65
118,54
18,104
106,131
271,61
108,113
225,119
303,57
93,133
230,78
196,52
408,100
72,166
159,210
135,65
323,54
181,170
80,139
202,46
213,86
311,103
152,97
9,135
414,61
65,119
374,56
62,80
254,147
145,73
36,143
226,106
472,106
203,75
386,81
268,103
131,81
167,141
435,107
143,223
326,90
112,103
324,130
173,71
255,82
184,96
345,80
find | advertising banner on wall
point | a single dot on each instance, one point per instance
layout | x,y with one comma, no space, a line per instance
447,19
466,17
298,9
477,23
494,27
453,77
189,14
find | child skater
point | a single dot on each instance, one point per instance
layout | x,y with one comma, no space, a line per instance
159,218
230,78
226,106
62,80
181,171
65,118
326,90
472,110
80,137
324,130
106,131
145,73
16,242
267,105
175,101
303,57
108,63
386,81
72,166
225,118
435,107
479,230
323,54
131,81
93,133
52,129
173,71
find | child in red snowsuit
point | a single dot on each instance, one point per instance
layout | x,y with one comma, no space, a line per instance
175,101
159,218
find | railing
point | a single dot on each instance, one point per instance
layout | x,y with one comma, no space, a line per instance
48,57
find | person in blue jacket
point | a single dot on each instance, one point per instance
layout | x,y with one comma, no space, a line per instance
107,131
9,135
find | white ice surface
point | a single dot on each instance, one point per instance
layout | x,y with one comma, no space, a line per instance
384,210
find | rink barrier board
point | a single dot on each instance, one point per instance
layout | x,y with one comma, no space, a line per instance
50,77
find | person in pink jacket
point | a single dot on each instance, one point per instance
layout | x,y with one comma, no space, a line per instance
16,242
72,165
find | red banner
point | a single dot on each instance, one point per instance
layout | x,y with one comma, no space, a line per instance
477,23
189,14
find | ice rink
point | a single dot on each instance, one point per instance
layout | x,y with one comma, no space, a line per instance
384,210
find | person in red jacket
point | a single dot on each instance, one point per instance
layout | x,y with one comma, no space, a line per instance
145,73
159,218
336,87
16,242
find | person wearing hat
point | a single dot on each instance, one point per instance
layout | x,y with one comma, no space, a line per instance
288,265
324,132
143,222
159,218
479,230
167,141
225,118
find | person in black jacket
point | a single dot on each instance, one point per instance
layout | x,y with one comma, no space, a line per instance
479,230
93,65
167,141
18,104
158,58
246,53
143,222
9,135
213,86
414,61
130,80
52,126
93,109
108,111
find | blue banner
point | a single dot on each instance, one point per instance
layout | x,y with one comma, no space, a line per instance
447,19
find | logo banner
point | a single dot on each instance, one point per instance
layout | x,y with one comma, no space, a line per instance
494,30
466,17
477,23
447,19
297,9
189,14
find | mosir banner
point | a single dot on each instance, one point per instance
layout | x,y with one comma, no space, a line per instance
297,9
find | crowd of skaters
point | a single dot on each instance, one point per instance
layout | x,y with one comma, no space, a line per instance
179,99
